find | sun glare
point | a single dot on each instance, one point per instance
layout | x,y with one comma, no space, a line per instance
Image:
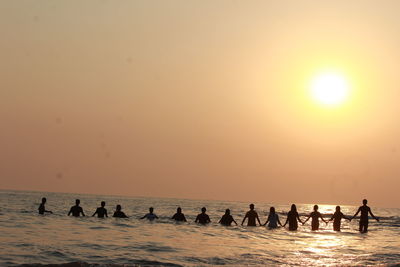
329,89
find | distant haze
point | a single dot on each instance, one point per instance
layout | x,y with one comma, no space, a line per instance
200,99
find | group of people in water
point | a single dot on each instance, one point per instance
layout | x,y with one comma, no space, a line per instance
251,216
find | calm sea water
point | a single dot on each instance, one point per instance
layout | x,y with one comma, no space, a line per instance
29,238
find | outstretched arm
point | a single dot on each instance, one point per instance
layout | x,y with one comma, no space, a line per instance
235,222
370,212
309,216
322,218
358,211
245,217
94,213
267,220
258,219
279,221
287,220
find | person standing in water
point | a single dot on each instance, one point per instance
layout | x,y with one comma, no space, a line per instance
337,219
42,208
118,213
203,218
101,211
364,209
272,219
227,218
315,215
179,216
76,210
150,216
251,217
292,218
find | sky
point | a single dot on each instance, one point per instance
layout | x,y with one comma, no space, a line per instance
200,99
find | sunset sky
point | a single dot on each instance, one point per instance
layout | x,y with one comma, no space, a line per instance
201,99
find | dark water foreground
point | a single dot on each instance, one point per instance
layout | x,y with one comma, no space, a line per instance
28,239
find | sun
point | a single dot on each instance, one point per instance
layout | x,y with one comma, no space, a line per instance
329,89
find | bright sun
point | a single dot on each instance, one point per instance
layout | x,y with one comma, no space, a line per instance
329,89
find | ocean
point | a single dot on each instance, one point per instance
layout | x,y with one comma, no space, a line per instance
30,239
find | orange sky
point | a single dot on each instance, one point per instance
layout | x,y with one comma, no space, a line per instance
200,99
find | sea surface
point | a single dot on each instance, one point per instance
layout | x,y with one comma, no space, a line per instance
29,238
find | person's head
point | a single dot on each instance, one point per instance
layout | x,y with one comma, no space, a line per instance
338,208
315,207
293,207
272,210
119,207
103,203
251,206
365,202
179,210
151,209
77,202
44,200
227,211
203,209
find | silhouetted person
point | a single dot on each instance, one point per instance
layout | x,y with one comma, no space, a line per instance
315,215
292,218
101,211
364,209
118,213
76,210
251,217
337,219
273,219
150,216
42,208
179,216
203,217
227,218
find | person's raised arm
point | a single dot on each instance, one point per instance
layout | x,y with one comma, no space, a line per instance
358,211
373,216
